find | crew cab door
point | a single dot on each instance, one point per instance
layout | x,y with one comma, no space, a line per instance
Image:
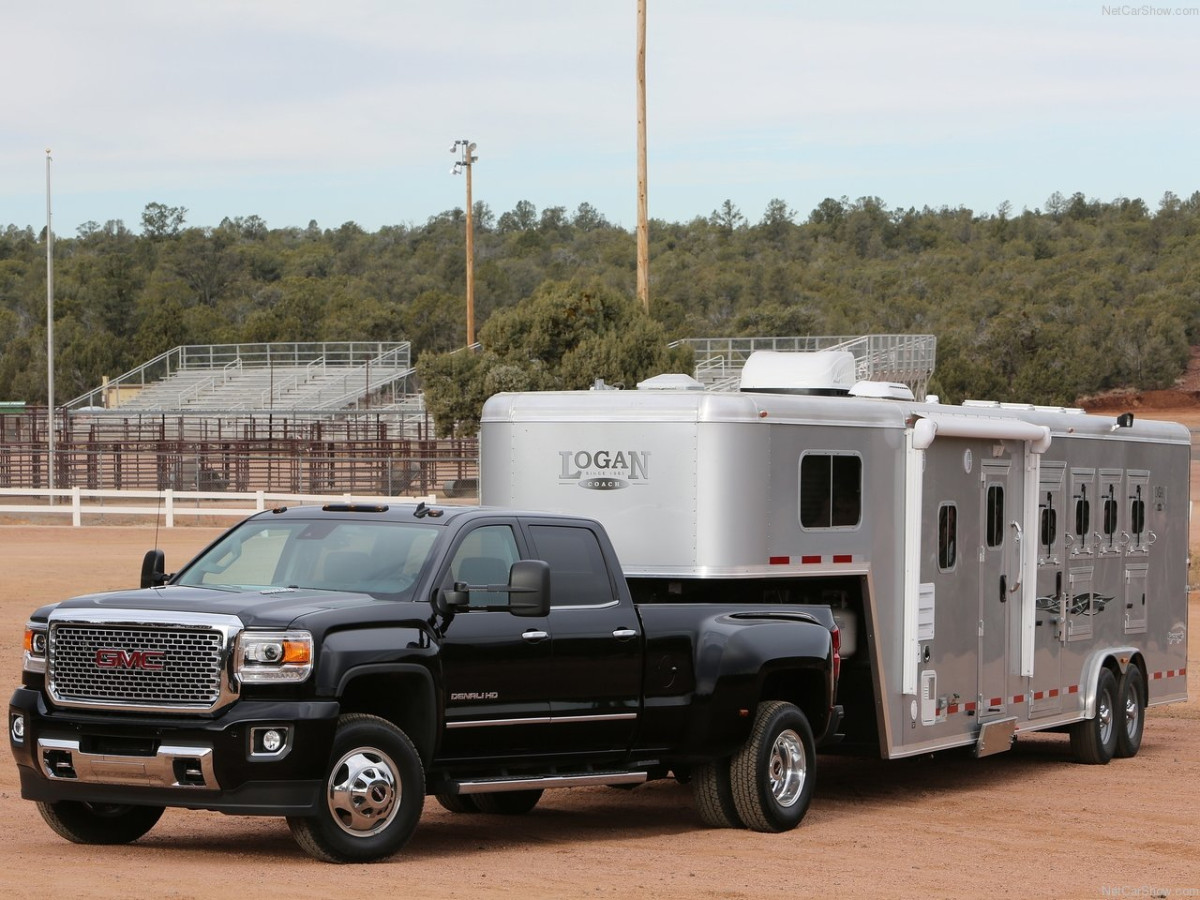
497,667
595,693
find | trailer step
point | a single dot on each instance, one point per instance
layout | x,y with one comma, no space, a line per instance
995,737
539,782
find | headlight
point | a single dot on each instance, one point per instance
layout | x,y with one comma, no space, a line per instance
36,642
274,657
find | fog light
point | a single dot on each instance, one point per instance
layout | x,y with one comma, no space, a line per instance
272,740
16,728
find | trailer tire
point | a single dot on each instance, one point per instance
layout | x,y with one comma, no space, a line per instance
373,796
712,793
507,803
1131,712
457,803
1094,740
99,823
774,774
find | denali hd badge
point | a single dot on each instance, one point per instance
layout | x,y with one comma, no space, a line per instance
603,470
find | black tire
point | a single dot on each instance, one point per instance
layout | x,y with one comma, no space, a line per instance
774,774
1131,712
99,823
1094,740
457,803
507,803
374,793
713,795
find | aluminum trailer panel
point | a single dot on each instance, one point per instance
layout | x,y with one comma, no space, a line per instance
992,558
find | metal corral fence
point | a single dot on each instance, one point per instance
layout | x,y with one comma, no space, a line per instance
361,454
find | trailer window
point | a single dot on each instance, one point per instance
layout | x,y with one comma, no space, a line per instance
995,515
1049,525
947,536
1083,513
1137,514
830,490
1110,513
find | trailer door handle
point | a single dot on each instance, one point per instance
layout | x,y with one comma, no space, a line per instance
534,636
624,634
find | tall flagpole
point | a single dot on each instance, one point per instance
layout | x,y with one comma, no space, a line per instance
49,333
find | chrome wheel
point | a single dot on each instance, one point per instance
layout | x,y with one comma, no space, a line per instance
364,792
1104,717
788,768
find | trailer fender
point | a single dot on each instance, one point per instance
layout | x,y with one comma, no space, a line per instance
1117,658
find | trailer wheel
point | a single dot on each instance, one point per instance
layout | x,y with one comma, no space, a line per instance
712,793
99,823
1094,741
374,792
507,803
457,803
773,775
1131,706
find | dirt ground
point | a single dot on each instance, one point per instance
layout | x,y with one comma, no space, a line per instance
1030,822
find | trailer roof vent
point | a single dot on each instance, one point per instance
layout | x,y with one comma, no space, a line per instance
824,373
673,382
883,390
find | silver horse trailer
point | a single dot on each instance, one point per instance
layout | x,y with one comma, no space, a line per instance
995,568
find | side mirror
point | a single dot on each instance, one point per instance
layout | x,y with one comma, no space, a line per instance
447,603
153,569
529,588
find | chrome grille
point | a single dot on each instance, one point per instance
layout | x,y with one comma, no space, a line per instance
120,665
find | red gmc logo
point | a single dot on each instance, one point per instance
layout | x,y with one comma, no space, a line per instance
152,660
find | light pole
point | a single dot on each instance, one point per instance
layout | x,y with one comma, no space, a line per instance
49,335
467,157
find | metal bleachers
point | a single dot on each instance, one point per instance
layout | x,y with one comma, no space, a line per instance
905,358
224,378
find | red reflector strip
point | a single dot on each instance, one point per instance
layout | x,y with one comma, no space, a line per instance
1073,689
842,558
1020,698
996,701
1156,676
1053,692
810,560
951,709
969,707
779,560
1039,695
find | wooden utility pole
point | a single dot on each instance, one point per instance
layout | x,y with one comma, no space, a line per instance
643,227
467,158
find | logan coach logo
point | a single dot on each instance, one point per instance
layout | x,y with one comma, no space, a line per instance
603,470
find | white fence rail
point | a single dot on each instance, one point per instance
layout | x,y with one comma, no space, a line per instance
168,504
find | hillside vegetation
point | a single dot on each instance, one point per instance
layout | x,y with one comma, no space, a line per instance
1041,306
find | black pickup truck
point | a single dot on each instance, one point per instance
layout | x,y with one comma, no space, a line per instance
336,665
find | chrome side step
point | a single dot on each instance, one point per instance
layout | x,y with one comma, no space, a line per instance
531,782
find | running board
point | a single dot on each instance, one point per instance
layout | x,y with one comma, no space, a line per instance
488,785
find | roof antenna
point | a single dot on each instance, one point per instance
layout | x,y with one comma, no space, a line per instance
421,511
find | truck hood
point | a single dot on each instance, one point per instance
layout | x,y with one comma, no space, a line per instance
268,608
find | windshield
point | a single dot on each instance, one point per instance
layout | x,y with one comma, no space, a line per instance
326,554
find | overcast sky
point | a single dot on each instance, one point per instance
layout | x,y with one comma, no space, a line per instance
296,110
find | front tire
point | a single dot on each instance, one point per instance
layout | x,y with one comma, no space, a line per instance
99,823
1131,709
1094,741
773,775
374,793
